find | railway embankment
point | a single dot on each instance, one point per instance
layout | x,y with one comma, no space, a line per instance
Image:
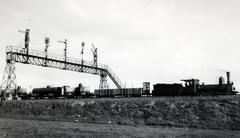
222,112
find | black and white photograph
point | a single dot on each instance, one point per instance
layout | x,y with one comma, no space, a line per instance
119,68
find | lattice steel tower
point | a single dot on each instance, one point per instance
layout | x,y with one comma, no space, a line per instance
8,85
103,81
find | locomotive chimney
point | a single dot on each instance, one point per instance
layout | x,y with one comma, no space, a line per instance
228,77
221,81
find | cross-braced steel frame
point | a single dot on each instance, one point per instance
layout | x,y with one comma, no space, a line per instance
34,57
8,84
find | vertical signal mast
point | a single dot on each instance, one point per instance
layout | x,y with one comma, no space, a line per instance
82,52
95,55
65,49
26,41
47,41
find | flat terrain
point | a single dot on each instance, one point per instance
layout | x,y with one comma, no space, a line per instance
122,117
40,129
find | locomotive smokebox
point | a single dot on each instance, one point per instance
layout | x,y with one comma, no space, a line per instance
228,77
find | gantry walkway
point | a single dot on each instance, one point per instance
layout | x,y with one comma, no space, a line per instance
40,58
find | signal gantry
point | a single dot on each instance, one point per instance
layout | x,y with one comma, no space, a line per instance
43,58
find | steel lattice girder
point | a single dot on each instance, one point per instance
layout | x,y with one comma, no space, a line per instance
55,61
34,60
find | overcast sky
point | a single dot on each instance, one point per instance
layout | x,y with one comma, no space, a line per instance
141,40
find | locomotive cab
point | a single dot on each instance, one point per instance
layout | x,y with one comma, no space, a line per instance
191,86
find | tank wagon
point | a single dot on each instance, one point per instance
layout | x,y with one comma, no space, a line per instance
50,92
192,87
61,92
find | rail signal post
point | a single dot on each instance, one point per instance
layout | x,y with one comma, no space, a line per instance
82,52
95,55
26,42
65,51
47,41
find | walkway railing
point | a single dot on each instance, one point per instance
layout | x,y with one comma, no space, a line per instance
21,50
41,54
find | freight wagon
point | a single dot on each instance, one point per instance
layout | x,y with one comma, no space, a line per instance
125,92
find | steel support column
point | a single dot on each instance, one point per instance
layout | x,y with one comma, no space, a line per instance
103,81
8,85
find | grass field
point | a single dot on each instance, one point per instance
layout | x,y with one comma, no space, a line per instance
12,128
122,117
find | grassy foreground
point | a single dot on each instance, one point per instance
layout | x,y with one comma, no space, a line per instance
15,128
187,112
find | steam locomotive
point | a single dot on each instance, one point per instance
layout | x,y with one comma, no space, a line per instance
192,87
